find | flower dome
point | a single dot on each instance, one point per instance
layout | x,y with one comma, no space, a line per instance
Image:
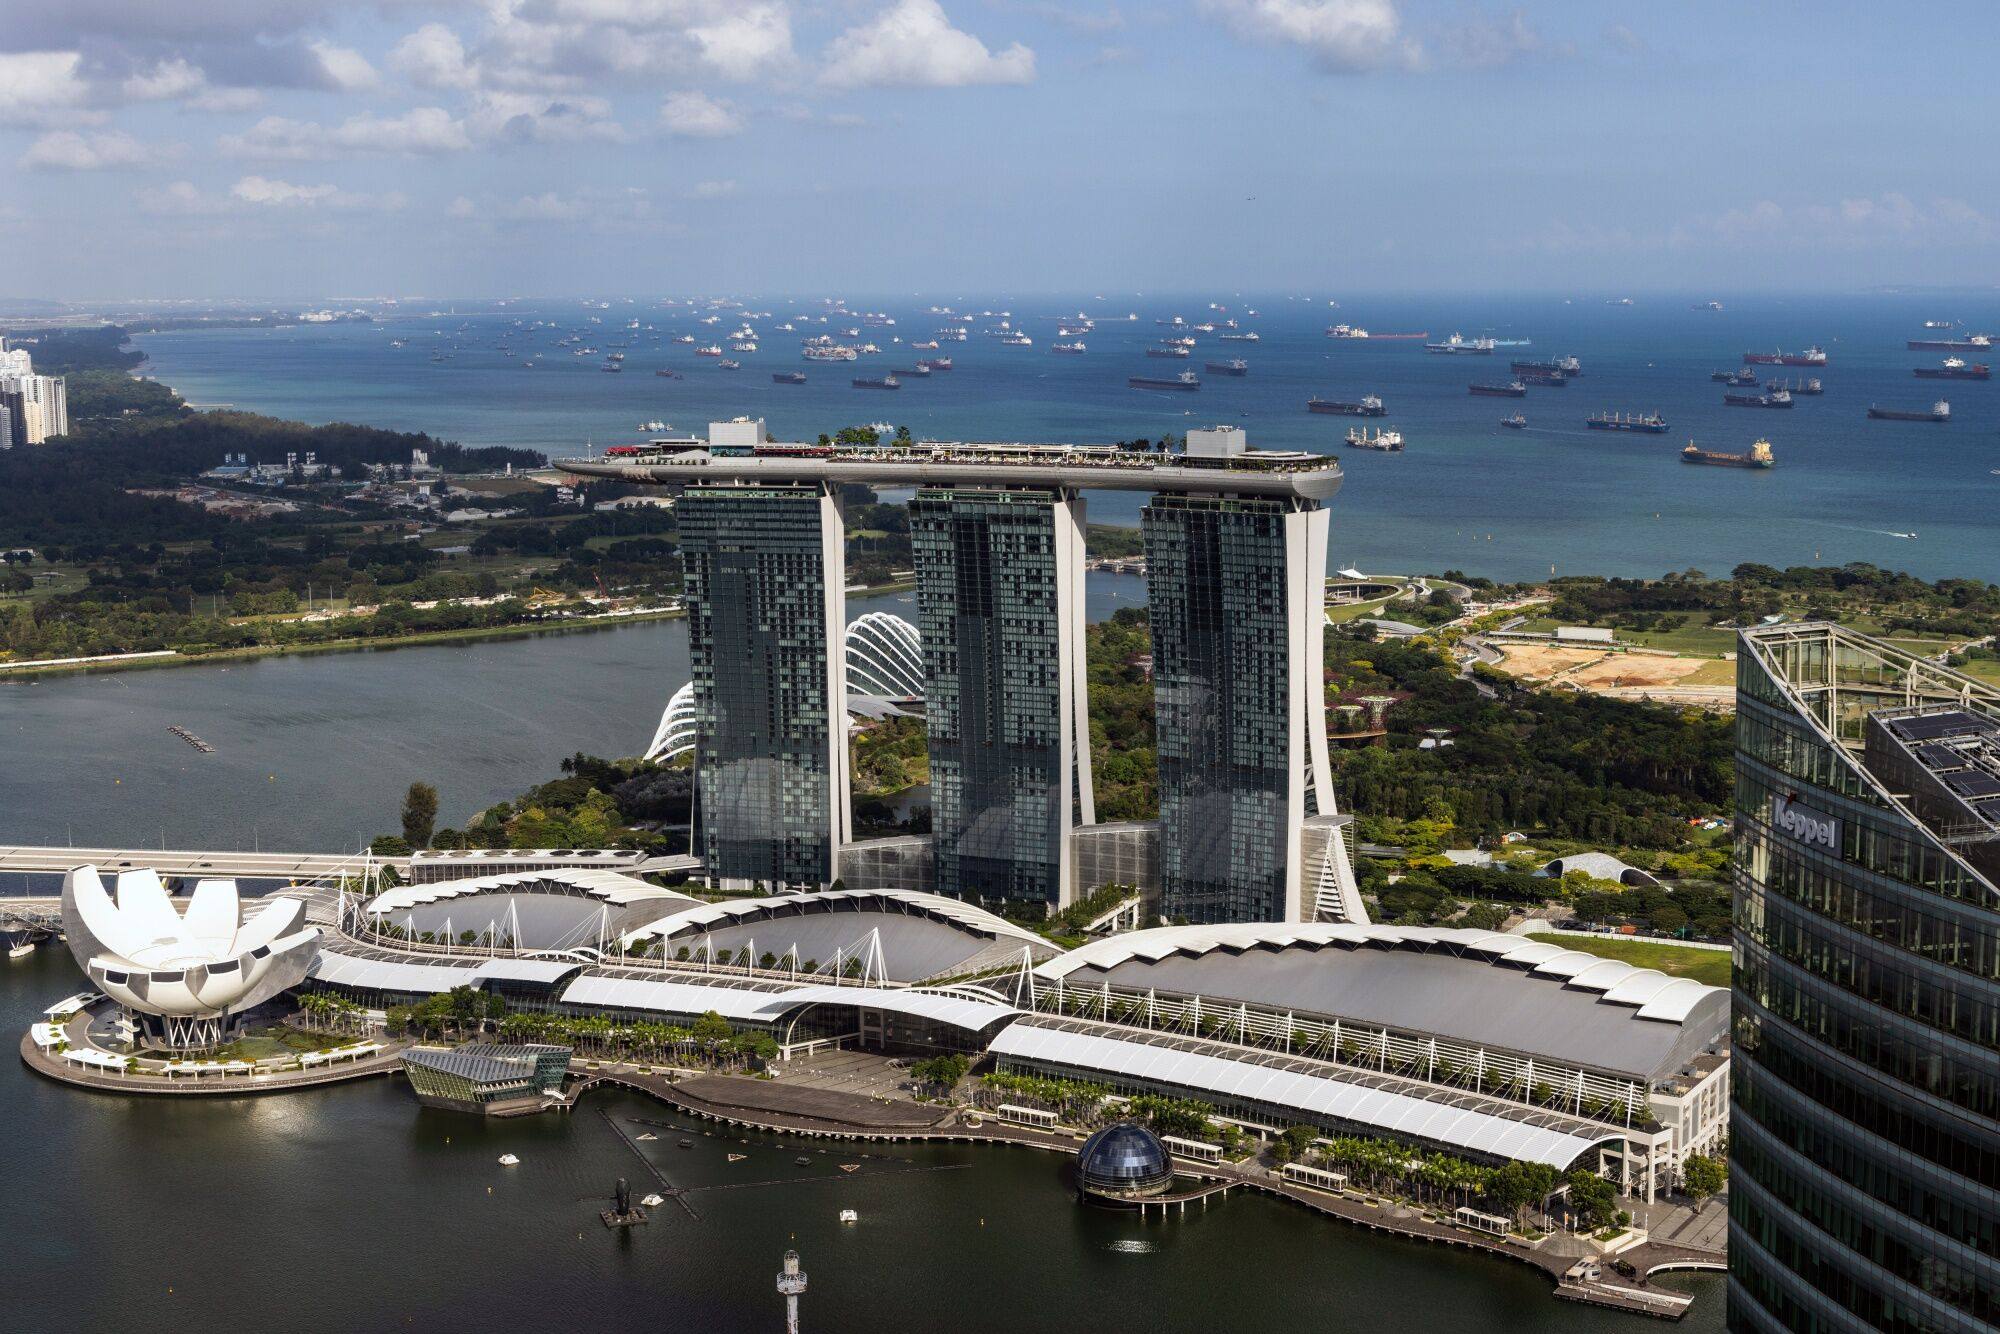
183,973
1124,1161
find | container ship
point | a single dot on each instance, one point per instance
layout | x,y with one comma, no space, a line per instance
1185,380
1746,377
1940,412
1810,387
1776,398
1512,389
788,377
1389,442
1812,356
1368,406
1568,366
1758,457
1969,343
1176,350
1954,368
1234,366
877,382
1652,423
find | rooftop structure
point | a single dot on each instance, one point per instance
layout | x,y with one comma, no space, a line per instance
560,908
1124,1161
183,974
494,1079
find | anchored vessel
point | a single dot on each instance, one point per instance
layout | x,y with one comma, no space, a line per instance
1368,405
1185,380
788,377
1812,356
1978,342
1512,389
1747,377
1167,350
1565,366
1811,386
1652,423
1235,366
877,382
1517,422
1776,398
1758,457
1389,442
1457,344
1940,412
1954,368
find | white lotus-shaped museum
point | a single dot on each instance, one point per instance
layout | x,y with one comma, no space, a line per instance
183,974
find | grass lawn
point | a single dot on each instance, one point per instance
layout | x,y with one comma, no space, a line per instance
1349,611
1983,669
1708,966
1714,672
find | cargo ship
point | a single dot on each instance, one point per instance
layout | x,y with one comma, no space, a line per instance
1068,349
1185,380
1389,442
712,350
1940,412
1776,398
1810,387
1368,406
728,365
1512,389
1954,368
1568,366
788,377
1175,350
1970,343
1543,379
1652,423
919,371
1457,345
1517,422
1812,356
663,372
1758,457
1234,366
936,363
1746,377
1249,337
877,382
1346,331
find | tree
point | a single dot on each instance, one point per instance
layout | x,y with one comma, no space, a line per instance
420,809
712,1030
1702,1177
1593,1197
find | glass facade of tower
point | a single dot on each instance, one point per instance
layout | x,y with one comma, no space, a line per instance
756,579
1216,572
989,599
1865,1150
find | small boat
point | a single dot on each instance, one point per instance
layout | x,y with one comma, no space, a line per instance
1517,422
509,1160
687,1144
653,1201
850,1167
738,1157
849,1216
803,1160
648,1135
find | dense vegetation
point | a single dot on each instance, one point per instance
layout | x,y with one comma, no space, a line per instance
1887,599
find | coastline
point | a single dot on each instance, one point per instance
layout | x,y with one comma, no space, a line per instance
359,643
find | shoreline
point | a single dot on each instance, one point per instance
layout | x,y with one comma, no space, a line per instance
34,671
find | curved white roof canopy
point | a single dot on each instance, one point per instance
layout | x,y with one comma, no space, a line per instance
885,659
743,1005
1314,1095
710,916
201,962
612,887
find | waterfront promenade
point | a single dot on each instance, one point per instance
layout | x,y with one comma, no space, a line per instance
810,1112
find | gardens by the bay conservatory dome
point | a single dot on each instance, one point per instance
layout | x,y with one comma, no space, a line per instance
1124,1161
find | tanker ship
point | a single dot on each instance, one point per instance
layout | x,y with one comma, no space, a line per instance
1758,457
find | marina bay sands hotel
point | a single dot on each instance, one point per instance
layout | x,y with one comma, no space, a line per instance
1235,542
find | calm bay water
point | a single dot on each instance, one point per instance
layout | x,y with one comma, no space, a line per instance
353,1209
1466,493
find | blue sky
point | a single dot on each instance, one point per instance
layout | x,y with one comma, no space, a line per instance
305,149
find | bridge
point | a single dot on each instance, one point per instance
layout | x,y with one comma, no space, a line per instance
290,866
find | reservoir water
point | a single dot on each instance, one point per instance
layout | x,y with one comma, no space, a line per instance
351,1209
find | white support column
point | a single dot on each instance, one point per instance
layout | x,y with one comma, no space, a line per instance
1310,763
833,560
1079,801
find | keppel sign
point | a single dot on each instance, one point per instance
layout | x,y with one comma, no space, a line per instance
1808,826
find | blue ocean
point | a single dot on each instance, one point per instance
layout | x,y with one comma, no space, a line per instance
1465,494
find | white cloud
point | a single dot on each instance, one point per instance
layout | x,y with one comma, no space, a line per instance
714,189
423,130
747,42
267,193
165,81
227,99
549,207
693,115
180,199
43,88
1860,221
541,118
342,68
912,44
1488,43
71,150
462,207
434,57
1343,36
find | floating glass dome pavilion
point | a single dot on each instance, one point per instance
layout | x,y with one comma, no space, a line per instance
1124,1161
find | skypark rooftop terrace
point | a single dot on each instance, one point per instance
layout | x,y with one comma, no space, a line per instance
1216,462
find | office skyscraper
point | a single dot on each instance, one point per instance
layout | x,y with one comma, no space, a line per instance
1865,1138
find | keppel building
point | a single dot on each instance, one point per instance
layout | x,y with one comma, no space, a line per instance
1865,1149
